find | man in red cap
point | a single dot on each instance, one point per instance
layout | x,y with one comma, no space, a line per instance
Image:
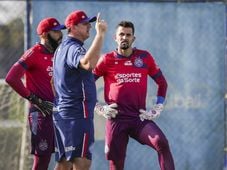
75,91
36,66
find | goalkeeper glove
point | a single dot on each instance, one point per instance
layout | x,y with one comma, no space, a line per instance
45,107
107,111
152,114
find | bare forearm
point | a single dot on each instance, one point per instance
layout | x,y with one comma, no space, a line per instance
90,59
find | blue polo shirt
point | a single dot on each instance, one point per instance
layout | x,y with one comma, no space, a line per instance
75,87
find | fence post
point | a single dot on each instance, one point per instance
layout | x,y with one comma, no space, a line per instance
225,97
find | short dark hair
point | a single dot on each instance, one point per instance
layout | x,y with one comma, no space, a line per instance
126,24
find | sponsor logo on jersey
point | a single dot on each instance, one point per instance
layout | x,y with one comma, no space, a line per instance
69,148
50,70
138,62
128,63
43,145
128,77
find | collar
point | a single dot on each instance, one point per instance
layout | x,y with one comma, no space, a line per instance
121,56
69,38
43,48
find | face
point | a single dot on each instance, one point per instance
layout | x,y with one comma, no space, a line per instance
124,37
54,38
82,30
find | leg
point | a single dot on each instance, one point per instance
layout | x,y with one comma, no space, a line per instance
152,135
116,140
63,165
116,165
42,139
81,164
77,136
41,162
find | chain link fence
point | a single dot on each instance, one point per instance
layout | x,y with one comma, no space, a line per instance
14,143
188,42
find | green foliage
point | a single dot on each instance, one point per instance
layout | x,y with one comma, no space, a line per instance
11,44
12,106
10,145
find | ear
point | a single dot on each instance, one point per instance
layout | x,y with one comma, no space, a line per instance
44,35
134,38
115,37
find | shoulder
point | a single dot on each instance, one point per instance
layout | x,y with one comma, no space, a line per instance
109,55
32,51
73,47
142,53
105,58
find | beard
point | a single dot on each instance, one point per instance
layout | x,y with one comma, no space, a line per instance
54,43
124,45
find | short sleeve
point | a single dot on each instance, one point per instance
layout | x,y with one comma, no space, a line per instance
74,55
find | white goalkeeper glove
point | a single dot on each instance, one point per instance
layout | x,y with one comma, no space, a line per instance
152,114
107,111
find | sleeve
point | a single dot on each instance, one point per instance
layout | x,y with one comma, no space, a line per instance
153,67
156,74
162,87
27,59
14,79
17,71
98,71
74,56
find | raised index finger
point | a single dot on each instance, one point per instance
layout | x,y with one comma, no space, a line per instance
98,17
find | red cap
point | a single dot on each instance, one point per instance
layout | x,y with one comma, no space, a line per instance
49,24
77,17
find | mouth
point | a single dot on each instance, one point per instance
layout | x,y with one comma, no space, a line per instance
124,43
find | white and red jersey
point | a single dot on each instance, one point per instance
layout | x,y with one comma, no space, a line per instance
36,65
126,79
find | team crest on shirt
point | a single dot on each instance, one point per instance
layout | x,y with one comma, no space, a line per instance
43,145
138,62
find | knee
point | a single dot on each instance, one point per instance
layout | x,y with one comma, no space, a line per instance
116,165
41,162
162,144
63,165
84,166
81,163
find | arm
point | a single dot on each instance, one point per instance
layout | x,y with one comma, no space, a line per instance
90,59
162,87
161,94
14,79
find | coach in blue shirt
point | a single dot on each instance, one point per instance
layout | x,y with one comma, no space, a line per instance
75,91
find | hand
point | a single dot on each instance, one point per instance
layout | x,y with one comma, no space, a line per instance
152,114
108,111
45,107
100,26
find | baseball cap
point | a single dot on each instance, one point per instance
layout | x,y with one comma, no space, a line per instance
49,24
77,17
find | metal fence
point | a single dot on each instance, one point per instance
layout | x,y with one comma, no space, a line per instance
188,41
